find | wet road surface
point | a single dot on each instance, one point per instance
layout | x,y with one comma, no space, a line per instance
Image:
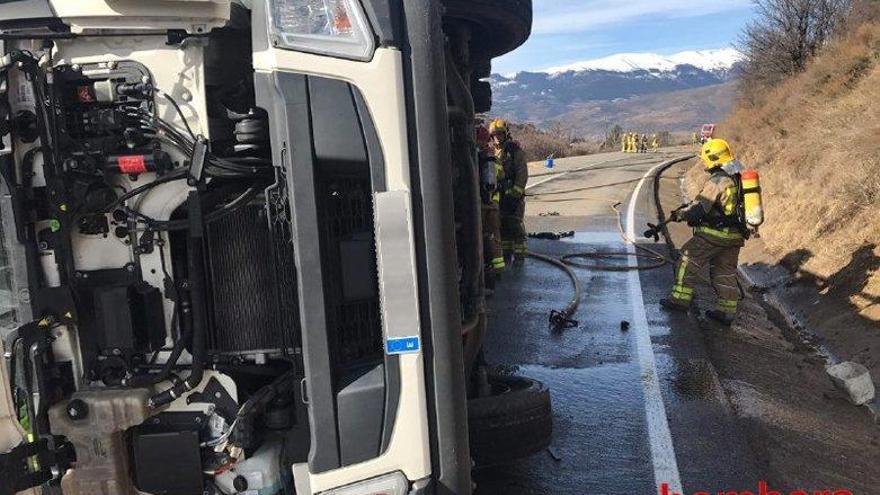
619,428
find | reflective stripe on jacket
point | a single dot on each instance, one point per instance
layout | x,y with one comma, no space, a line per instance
516,170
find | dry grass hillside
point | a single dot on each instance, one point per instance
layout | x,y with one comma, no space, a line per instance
816,141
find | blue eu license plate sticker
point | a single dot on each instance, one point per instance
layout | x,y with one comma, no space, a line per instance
405,345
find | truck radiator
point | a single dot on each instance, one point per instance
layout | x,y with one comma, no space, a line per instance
254,304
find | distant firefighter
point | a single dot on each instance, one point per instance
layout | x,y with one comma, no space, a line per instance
512,159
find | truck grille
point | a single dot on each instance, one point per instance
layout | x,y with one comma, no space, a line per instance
345,212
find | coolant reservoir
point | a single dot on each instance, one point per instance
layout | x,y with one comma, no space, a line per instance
259,474
95,421
754,208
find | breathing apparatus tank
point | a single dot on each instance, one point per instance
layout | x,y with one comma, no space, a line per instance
753,205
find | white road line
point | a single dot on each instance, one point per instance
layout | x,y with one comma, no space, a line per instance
659,436
548,179
561,174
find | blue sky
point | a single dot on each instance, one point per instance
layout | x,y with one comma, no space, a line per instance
567,31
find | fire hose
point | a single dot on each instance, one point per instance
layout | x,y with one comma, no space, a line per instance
561,320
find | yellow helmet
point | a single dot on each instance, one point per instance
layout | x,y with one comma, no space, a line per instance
498,126
716,153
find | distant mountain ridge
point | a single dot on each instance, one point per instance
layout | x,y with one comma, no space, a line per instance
552,95
719,60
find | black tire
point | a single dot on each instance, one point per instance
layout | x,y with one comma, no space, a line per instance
482,69
502,25
515,422
482,94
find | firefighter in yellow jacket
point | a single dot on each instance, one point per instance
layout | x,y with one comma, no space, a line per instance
512,159
491,174
719,234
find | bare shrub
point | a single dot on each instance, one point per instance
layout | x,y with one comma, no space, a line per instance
540,144
785,36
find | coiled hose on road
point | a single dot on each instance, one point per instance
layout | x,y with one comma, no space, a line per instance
560,320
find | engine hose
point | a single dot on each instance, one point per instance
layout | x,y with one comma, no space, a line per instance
560,320
196,278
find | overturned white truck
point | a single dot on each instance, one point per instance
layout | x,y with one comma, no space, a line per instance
242,248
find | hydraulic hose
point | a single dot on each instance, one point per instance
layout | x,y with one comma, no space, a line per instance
196,289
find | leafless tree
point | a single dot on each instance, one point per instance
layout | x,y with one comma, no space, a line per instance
785,35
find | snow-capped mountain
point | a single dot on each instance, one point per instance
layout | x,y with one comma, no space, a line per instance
544,96
708,60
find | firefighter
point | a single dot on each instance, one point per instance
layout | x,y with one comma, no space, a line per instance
696,139
623,142
719,233
655,143
512,159
643,144
491,174
630,143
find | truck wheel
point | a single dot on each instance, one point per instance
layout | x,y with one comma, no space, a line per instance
502,25
482,69
481,91
516,421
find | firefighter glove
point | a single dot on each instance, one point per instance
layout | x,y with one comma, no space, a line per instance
693,215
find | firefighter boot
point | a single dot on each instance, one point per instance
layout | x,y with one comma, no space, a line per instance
673,305
723,317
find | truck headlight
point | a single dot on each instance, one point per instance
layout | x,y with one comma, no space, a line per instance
390,484
329,27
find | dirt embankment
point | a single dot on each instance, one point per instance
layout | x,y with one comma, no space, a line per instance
816,141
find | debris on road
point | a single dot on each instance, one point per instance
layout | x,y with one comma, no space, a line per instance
549,214
560,321
624,326
855,380
551,236
553,454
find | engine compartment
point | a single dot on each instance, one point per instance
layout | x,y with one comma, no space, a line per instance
158,337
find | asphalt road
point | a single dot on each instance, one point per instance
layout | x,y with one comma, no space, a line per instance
634,409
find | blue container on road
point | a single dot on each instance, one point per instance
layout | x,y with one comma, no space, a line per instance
550,162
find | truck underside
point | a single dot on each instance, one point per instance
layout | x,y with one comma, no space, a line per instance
239,260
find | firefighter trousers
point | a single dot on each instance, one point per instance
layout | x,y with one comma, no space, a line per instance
492,235
513,228
721,260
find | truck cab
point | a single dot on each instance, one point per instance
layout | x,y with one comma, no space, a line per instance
707,132
241,245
